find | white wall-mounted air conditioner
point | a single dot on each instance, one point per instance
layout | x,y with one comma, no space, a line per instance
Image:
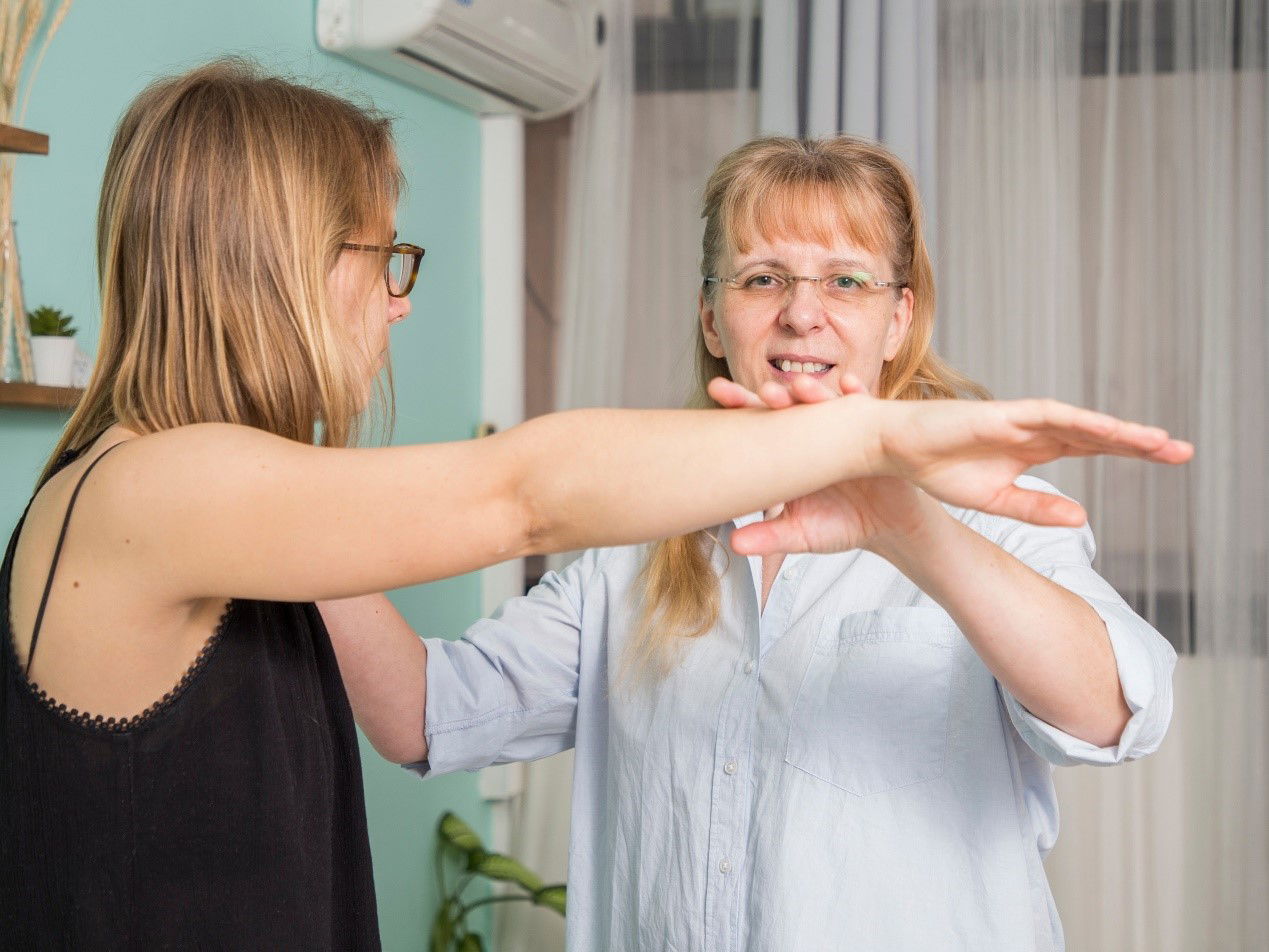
537,58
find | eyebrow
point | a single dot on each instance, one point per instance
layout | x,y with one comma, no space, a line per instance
845,263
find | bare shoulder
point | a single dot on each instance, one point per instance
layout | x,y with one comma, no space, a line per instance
112,637
158,476
152,496
181,451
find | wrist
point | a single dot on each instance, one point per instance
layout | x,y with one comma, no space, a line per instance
867,418
907,546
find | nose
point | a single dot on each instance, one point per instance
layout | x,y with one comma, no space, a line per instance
803,310
398,309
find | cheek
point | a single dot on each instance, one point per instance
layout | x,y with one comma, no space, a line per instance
868,334
370,307
742,336
348,295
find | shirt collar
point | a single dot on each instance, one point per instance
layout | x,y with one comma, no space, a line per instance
741,521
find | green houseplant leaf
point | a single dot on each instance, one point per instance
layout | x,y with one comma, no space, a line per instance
459,835
442,930
553,897
457,843
506,869
50,322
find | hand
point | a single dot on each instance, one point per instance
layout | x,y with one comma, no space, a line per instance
849,515
964,452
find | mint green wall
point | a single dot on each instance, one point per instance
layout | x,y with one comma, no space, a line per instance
105,53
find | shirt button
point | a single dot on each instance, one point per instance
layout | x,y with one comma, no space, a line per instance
749,666
789,574
725,866
729,767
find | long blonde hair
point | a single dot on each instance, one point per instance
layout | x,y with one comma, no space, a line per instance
226,196
815,190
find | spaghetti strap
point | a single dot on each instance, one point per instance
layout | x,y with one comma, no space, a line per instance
57,554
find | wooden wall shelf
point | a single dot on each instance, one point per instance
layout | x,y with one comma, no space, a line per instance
42,398
13,139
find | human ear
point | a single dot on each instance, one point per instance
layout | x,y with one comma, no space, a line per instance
899,325
709,326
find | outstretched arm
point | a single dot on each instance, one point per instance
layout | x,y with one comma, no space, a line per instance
217,510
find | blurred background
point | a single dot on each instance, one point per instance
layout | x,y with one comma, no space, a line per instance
1096,183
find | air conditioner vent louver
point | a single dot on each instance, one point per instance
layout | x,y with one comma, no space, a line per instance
538,58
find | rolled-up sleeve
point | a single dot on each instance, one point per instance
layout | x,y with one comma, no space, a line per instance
507,689
1143,657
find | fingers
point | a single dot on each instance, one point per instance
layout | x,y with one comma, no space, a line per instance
1038,508
809,390
769,537
852,384
1173,451
804,388
1095,432
775,396
729,394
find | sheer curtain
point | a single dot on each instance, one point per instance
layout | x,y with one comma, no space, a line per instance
864,67
677,91
1104,172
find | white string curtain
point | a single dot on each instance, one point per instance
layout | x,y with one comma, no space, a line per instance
677,91
1103,171
596,247
863,67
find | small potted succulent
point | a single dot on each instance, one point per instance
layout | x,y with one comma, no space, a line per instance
52,346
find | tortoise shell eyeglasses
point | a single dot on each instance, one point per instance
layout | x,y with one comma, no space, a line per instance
402,266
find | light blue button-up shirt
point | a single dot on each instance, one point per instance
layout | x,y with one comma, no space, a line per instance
838,771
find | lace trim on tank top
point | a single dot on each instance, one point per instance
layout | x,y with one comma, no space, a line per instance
121,725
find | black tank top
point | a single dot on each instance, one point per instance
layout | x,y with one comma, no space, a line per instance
229,815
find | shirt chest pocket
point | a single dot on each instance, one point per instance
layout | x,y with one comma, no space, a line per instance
872,711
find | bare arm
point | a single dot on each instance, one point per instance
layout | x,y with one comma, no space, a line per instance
217,510
384,666
1044,644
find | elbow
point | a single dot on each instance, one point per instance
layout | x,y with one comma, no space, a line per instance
1107,735
1133,734
402,750
1109,729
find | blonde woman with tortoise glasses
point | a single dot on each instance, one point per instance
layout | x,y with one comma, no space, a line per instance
844,750
178,764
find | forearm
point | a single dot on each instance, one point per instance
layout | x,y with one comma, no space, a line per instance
609,477
1046,645
384,668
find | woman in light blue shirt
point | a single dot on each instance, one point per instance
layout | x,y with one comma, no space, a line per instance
839,751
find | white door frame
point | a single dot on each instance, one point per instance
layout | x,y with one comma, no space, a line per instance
501,369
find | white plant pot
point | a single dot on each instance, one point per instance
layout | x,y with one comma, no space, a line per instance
54,359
